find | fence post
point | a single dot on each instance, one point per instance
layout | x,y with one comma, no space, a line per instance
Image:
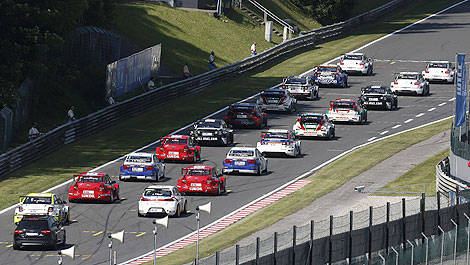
351,222
423,209
455,240
412,251
442,241
457,203
369,250
312,226
396,255
275,249
294,235
257,250
438,208
387,236
329,240
427,247
403,221
237,254
217,258
468,237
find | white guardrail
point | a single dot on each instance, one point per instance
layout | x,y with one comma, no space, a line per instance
444,181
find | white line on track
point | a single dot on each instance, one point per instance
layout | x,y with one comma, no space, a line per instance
409,120
384,132
419,115
371,139
452,99
431,109
442,104
396,126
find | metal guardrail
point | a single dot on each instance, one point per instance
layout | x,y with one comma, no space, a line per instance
71,132
444,181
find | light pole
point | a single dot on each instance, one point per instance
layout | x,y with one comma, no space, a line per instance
205,208
119,236
161,221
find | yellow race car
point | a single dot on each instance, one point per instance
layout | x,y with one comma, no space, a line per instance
40,204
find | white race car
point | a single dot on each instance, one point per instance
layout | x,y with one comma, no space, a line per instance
40,204
142,166
302,87
314,125
275,99
279,141
410,83
162,200
356,63
439,72
346,110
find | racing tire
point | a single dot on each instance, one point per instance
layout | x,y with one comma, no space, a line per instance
62,244
219,190
389,105
67,219
138,214
333,134
299,152
16,247
117,196
365,119
258,172
185,208
178,211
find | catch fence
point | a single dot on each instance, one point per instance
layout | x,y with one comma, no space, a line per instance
423,227
95,122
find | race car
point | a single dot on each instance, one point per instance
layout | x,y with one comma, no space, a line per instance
275,99
439,72
346,110
353,63
142,166
378,97
41,204
162,199
410,83
301,87
201,179
314,125
279,141
330,75
93,186
178,147
212,131
245,160
246,114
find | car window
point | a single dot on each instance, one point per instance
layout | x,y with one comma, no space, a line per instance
158,192
37,200
33,224
138,159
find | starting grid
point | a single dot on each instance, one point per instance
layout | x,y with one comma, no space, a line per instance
222,223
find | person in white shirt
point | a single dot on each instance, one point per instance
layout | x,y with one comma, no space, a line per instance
212,61
253,49
70,114
186,73
151,84
33,132
111,100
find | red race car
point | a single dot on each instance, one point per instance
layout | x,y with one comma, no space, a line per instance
201,179
93,186
178,147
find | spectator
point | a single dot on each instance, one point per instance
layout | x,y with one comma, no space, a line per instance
253,49
111,100
71,114
212,61
151,84
186,73
34,132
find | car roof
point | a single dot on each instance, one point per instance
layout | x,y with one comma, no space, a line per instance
140,154
354,53
409,73
160,187
176,136
199,167
93,174
44,194
243,148
348,100
278,130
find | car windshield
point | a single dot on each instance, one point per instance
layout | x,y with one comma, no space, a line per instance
341,105
296,81
90,179
377,90
438,65
37,200
210,124
175,141
33,224
139,159
352,57
311,120
158,192
273,95
198,172
278,135
326,69
408,76
241,153
243,109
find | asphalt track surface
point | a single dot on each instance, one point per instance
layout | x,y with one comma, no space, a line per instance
437,38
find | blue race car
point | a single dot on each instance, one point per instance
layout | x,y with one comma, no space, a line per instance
245,160
142,166
330,75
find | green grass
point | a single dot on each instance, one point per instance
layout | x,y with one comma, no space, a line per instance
362,6
322,182
424,173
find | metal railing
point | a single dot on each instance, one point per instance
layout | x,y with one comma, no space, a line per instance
446,183
268,13
111,115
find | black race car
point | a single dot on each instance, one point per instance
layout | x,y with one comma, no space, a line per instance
246,115
43,231
380,97
212,131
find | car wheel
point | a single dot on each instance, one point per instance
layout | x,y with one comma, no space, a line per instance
16,247
138,214
219,190
67,220
258,172
185,209
389,105
299,152
333,134
117,196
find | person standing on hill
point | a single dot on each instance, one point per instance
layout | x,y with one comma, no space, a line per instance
212,61
253,49
34,132
71,114
151,84
186,73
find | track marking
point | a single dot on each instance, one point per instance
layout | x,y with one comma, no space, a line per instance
452,99
98,233
384,132
141,234
393,62
371,139
431,109
86,257
9,246
419,115
442,104
409,120
396,126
